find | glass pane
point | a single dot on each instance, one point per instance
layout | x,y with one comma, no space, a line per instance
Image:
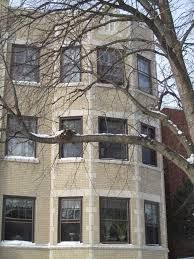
149,156
72,124
151,213
112,126
152,235
72,150
70,209
110,150
17,143
143,65
144,83
16,127
25,66
71,65
114,231
114,209
18,231
18,208
116,151
70,231
110,66
20,147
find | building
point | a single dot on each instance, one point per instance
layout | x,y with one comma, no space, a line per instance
97,200
179,194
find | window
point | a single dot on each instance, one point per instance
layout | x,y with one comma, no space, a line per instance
25,63
114,220
110,66
70,149
71,65
18,218
144,74
149,156
113,150
17,141
70,216
152,225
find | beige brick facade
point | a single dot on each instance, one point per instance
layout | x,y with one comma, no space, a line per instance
48,178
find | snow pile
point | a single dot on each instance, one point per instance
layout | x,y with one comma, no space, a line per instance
191,159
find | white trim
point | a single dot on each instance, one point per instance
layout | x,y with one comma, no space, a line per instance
22,159
70,160
112,161
26,83
78,245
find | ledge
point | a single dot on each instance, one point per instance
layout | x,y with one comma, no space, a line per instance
16,244
21,159
113,161
26,83
70,160
71,84
154,168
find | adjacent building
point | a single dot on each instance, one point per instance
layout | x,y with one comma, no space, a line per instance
179,194
95,200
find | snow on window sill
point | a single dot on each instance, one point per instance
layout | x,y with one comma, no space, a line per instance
26,83
70,160
70,243
16,243
21,159
113,161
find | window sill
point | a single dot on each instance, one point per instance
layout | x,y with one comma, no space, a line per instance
153,247
70,243
71,84
16,243
113,161
106,85
152,167
21,159
144,93
26,83
70,160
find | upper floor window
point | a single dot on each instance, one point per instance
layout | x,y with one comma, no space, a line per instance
113,150
152,223
17,142
71,65
110,66
70,149
144,74
149,156
18,218
70,217
114,220
25,63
